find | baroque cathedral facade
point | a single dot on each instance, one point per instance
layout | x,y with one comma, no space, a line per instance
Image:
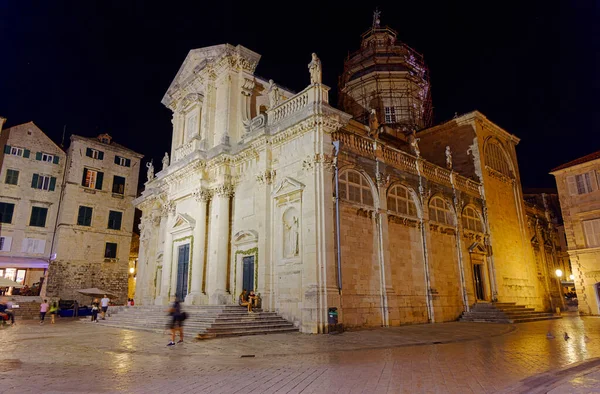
426,221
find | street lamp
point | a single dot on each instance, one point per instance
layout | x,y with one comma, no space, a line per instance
572,277
558,273
131,270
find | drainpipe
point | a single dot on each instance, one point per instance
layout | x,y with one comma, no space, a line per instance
428,295
336,150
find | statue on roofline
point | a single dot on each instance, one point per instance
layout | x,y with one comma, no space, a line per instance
314,67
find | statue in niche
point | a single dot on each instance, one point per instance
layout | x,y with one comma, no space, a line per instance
448,158
314,67
273,93
291,240
165,161
150,173
414,144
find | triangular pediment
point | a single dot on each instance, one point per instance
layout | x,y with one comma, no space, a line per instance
288,186
183,222
476,247
245,236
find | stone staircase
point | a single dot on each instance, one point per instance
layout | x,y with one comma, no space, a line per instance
504,312
206,321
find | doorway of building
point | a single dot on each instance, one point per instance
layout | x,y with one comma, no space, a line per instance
478,280
183,264
248,273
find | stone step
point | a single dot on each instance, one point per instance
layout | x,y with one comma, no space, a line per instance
504,312
237,333
248,327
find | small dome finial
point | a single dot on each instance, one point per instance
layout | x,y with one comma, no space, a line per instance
376,20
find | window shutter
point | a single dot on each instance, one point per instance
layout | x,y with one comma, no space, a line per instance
7,149
593,181
88,152
85,170
100,155
80,215
7,244
38,155
127,162
55,160
43,215
116,159
26,153
589,233
52,183
34,181
572,185
99,177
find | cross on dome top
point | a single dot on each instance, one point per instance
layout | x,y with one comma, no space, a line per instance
376,18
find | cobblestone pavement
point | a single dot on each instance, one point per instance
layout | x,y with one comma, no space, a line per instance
451,357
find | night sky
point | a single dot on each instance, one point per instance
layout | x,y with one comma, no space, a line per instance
532,67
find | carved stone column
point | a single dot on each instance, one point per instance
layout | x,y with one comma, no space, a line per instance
196,296
168,214
219,246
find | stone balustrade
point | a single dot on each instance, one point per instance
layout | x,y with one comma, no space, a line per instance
185,149
314,94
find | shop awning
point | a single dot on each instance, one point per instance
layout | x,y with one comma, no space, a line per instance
22,262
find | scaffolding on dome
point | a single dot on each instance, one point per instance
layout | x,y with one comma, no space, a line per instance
390,77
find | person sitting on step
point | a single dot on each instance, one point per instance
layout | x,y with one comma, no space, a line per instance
244,301
253,299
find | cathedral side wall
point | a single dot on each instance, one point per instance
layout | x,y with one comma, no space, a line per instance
444,276
361,294
408,300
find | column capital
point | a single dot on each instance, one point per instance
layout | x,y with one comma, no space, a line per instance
224,190
202,195
168,208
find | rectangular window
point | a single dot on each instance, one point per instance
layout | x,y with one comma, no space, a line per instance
390,115
114,220
43,182
84,218
94,154
118,185
5,243
6,212
12,177
16,151
48,158
33,245
121,161
38,216
110,251
582,183
592,232
92,179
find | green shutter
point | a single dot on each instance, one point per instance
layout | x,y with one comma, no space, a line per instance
85,170
88,152
127,163
99,177
26,153
52,183
34,181
7,149
55,159
100,155
38,155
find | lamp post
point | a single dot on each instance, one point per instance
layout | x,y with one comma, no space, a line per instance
559,275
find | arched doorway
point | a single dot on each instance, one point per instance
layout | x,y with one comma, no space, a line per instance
481,286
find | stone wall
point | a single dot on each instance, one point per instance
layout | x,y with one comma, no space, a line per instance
65,278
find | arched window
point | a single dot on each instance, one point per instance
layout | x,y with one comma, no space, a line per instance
440,212
354,187
399,200
471,220
496,159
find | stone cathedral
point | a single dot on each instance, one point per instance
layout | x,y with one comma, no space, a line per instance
427,220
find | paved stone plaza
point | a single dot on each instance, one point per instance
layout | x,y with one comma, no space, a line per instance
452,357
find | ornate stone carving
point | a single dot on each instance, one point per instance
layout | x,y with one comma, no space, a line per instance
373,123
414,144
247,87
224,190
314,67
267,176
202,195
366,213
256,123
168,208
403,221
291,233
382,179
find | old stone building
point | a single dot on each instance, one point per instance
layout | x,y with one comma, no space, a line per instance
577,182
95,222
426,221
31,174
